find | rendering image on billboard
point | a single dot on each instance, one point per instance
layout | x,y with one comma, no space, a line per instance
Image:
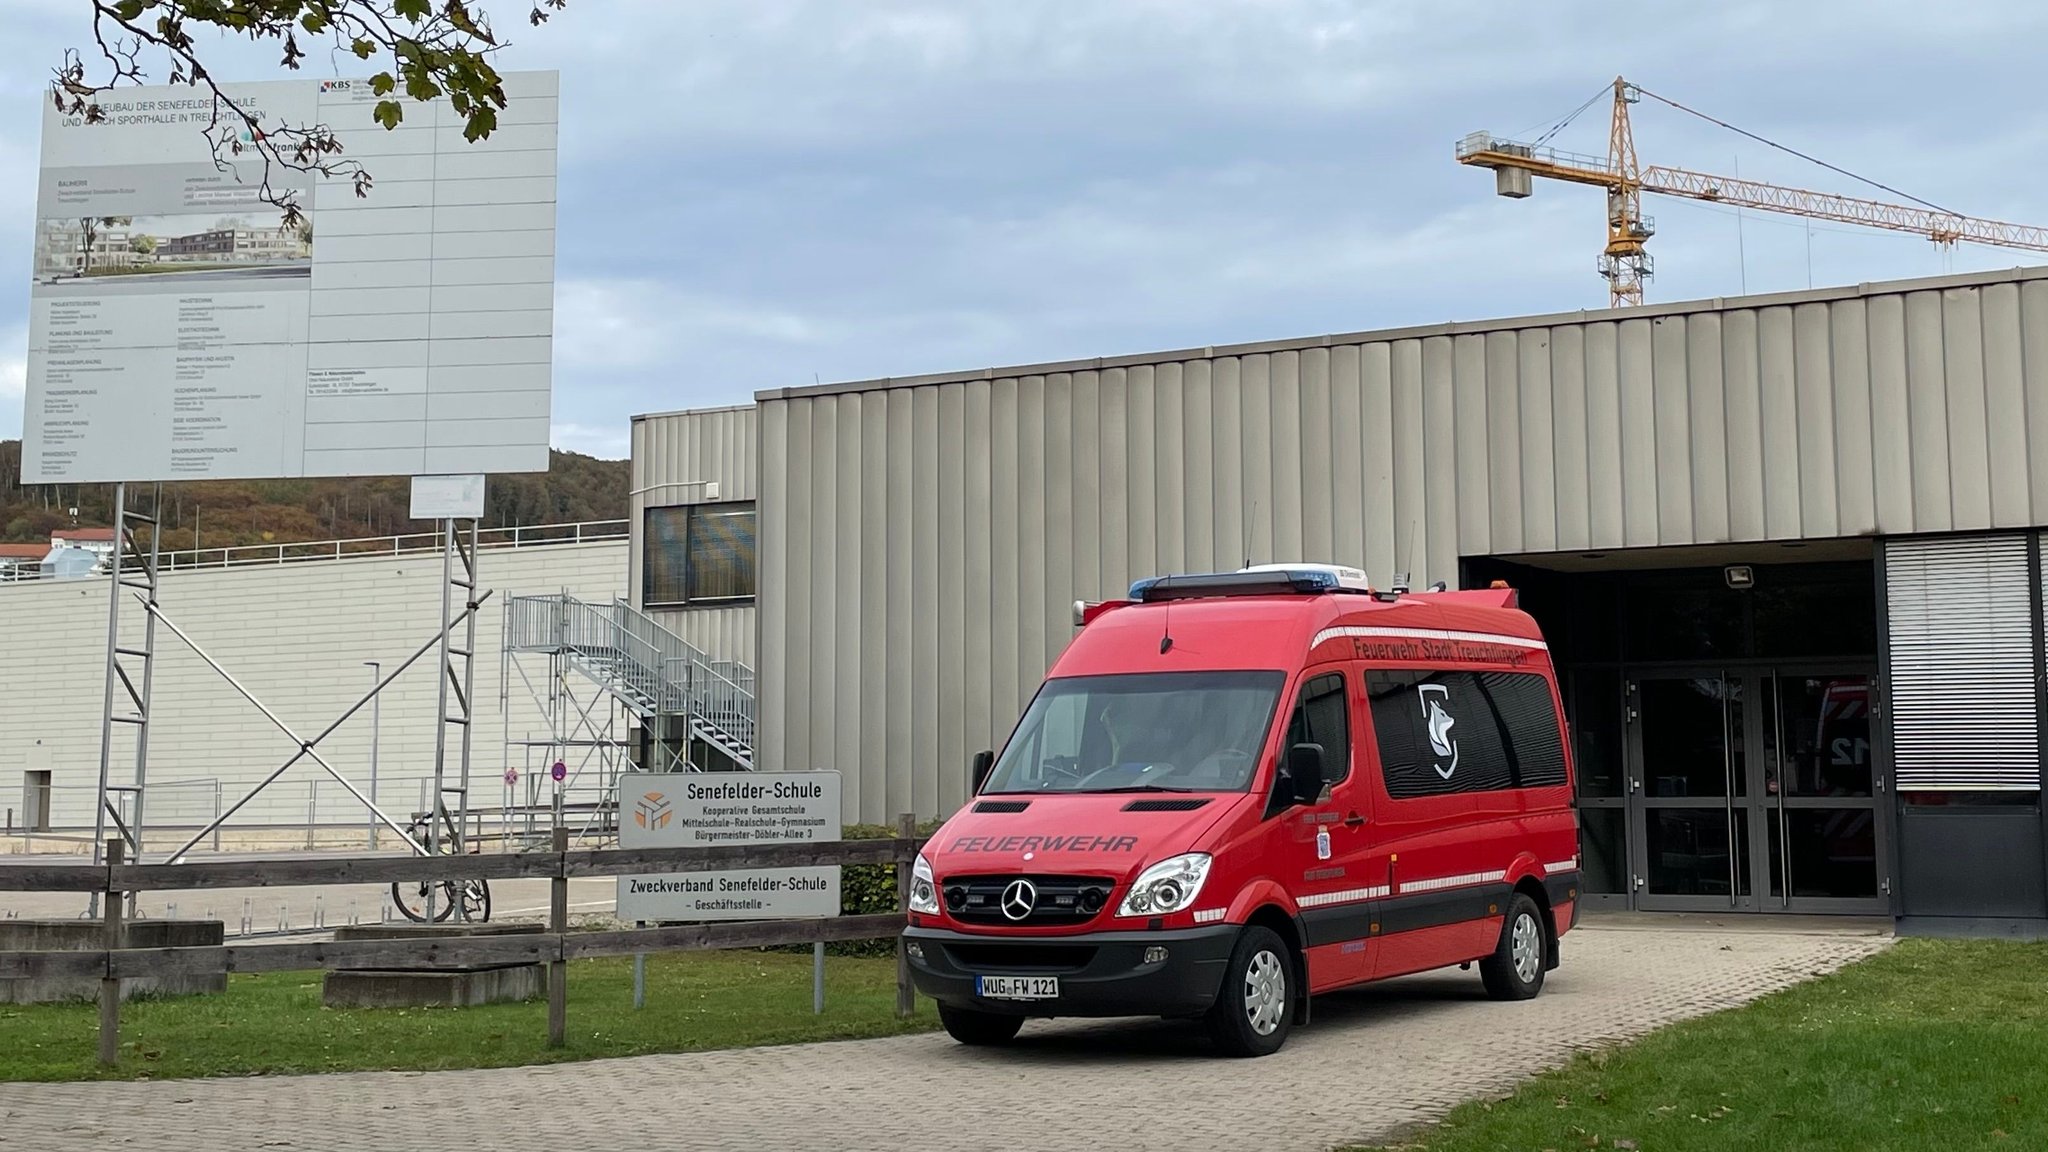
181,328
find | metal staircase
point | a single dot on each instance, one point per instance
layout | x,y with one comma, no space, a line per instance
664,680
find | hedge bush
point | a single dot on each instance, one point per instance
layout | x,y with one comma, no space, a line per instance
865,890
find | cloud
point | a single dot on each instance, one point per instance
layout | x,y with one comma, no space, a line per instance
606,443
13,378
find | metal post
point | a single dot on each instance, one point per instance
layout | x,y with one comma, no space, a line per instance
113,670
818,978
151,575
376,731
639,974
906,828
468,686
558,923
110,985
434,806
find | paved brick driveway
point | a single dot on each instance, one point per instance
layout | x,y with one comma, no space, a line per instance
1373,1060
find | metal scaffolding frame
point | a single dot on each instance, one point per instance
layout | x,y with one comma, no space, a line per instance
591,737
456,678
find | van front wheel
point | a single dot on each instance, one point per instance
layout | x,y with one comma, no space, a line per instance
1255,1010
980,1029
1515,970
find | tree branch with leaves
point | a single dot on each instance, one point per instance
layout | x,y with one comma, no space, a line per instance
424,49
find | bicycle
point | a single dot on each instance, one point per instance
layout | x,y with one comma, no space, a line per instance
411,897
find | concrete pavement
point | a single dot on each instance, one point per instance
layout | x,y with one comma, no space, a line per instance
1372,1061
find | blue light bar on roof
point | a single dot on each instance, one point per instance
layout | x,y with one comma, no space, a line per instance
1266,580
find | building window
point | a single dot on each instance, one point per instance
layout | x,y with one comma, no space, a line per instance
698,553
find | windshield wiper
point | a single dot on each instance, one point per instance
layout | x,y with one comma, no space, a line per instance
1138,788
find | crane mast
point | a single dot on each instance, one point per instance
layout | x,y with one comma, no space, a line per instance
1625,262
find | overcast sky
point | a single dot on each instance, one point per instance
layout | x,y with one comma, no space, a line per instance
762,193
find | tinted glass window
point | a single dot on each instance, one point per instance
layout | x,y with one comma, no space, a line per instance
1321,717
1441,732
698,552
1680,623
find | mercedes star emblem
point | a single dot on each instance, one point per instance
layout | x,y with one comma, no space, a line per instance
1019,899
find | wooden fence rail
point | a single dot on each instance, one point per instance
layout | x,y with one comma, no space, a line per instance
554,947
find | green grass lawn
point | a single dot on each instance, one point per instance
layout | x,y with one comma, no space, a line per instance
274,1023
1932,1044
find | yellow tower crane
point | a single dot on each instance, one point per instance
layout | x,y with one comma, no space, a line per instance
1626,263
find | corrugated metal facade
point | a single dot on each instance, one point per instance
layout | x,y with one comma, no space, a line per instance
922,539
676,448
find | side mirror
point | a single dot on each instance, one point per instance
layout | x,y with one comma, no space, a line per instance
984,763
1305,772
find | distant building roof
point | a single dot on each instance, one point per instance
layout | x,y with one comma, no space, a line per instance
24,551
84,535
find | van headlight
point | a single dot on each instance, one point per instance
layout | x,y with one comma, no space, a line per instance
924,893
1166,887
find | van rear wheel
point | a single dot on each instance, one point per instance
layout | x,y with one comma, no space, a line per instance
1255,1011
1515,970
980,1029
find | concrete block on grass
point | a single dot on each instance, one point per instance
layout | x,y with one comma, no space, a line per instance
90,936
425,983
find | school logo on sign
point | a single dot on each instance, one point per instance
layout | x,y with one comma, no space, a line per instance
653,811
1439,722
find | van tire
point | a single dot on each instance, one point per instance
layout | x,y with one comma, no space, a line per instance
1515,969
979,1029
1257,983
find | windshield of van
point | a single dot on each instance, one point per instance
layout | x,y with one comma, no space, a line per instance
1167,732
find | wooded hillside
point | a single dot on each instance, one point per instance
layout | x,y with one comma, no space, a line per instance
225,512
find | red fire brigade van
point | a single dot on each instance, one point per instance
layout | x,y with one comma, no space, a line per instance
1238,789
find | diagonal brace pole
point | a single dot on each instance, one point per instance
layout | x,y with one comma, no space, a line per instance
306,746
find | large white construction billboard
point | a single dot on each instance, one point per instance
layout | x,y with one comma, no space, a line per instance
178,331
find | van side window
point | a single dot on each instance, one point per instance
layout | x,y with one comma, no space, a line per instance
1442,731
1322,717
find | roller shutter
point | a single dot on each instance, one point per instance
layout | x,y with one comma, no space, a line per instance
1964,705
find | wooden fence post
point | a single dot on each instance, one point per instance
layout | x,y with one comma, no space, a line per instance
558,923
110,985
906,998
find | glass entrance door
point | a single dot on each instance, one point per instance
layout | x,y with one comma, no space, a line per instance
1823,840
1689,790
1754,790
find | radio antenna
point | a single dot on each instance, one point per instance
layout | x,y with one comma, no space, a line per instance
1165,618
1401,573
1248,534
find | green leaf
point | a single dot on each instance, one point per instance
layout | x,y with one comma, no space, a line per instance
389,113
382,84
481,123
313,22
364,49
130,10
413,10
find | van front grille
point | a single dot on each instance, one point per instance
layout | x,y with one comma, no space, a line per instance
1040,899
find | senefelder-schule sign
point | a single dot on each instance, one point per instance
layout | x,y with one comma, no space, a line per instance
679,810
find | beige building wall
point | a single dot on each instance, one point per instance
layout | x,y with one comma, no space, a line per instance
296,635
922,539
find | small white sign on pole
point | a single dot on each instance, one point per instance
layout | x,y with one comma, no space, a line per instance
707,810
447,497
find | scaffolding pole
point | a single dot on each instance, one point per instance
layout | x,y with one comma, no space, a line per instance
457,684
140,575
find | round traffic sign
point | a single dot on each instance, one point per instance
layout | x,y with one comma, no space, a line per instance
560,771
